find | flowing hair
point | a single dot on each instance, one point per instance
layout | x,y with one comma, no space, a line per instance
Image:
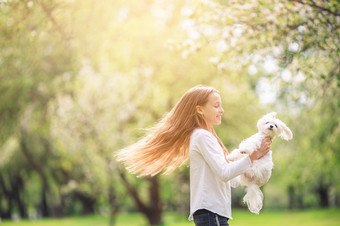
167,144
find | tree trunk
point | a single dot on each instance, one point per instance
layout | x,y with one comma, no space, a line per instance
5,214
322,191
152,211
155,208
295,198
291,195
17,186
87,202
58,211
36,166
43,205
12,194
113,204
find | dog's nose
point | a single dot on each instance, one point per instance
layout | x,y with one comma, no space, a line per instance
271,126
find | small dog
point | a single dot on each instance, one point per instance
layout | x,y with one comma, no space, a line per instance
261,169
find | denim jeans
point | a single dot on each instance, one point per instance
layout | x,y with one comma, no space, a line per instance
207,218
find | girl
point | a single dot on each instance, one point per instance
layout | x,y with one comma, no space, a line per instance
187,130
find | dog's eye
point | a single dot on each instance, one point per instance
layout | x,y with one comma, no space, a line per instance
275,125
267,122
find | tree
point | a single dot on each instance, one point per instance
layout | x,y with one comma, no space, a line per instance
31,62
287,50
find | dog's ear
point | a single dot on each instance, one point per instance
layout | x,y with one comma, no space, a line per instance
272,114
285,132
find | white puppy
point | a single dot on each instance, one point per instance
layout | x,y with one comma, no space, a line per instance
261,169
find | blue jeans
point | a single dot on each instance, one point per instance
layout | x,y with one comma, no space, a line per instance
207,218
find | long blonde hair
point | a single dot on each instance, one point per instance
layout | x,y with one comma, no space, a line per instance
167,144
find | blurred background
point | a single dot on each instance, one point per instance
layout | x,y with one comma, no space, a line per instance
81,79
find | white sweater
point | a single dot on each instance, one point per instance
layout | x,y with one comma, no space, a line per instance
210,174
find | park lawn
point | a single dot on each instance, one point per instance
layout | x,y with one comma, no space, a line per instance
327,217
324,217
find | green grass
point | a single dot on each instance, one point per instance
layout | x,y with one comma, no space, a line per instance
291,218
330,217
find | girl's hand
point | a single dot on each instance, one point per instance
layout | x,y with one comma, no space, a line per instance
264,149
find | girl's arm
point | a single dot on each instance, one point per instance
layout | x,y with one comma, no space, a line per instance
212,152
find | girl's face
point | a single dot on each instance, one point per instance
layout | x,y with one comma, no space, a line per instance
212,111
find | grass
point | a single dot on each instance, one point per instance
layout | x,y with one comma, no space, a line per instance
324,217
293,218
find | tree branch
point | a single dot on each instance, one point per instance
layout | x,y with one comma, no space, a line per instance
134,194
4,189
30,159
314,5
52,19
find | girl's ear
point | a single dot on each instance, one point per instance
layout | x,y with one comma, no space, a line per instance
285,132
199,110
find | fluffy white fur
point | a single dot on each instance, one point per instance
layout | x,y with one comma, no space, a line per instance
261,169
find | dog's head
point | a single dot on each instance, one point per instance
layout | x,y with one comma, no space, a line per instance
271,126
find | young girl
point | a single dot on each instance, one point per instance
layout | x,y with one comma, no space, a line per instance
187,130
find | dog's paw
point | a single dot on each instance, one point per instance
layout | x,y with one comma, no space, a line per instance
235,182
234,155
